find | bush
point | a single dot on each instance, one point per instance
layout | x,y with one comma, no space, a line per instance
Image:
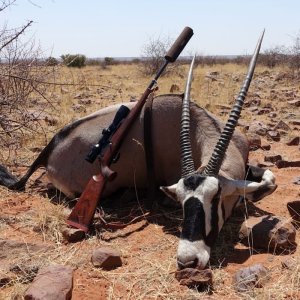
71,60
51,61
108,60
153,55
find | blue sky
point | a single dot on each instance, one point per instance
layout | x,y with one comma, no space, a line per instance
122,28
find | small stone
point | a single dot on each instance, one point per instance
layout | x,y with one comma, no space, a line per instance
259,128
289,263
251,277
282,125
211,77
264,111
296,180
294,210
295,122
194,277
295,102
214,73
265,164
85,101
265,145
78,108
273,158
25,272
52,121
254,141
287,164
12,250
294,141
272,115
106,258
6,277
268,232
174,88
253,108
273,135
79,96
53,282
73,235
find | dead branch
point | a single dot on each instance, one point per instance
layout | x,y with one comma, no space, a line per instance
16,35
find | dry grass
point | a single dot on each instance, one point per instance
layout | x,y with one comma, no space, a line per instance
149,246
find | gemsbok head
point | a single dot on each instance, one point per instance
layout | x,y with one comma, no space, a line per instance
206,192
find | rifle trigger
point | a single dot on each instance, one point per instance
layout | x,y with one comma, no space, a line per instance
116,158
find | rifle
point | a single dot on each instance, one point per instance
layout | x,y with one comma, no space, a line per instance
109,144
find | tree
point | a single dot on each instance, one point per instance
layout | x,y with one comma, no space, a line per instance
74,60
22,85
153,55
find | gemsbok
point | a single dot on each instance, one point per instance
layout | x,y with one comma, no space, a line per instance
208,195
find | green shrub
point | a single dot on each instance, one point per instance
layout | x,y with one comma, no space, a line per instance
74,60
108,60
51,61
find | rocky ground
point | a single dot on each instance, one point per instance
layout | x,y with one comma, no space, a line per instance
141,262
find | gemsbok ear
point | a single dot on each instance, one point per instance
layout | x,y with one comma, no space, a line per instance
251,190
170,191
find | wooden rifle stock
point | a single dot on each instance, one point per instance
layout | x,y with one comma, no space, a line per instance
84,210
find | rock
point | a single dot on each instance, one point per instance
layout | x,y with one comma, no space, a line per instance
290,94
268,233
214,73
265,145
289,263
294,141
73,235
254,141
10,250
272,115
174,88
296,180
294,210
243,124
282,125
287,164
194,277
282,76
265,164
254,102
64,90
25,272
85,101
264,111
78,108
295,102
212,78
273,135
295,122
259,128
52,121
6,277
81,96
250,277
273,158
53,282
224,107
253,109
133,99
106,258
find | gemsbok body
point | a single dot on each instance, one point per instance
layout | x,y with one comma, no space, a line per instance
208,195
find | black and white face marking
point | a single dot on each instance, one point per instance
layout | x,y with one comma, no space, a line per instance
204,211
203,217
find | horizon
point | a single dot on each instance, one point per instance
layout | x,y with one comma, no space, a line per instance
119,29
